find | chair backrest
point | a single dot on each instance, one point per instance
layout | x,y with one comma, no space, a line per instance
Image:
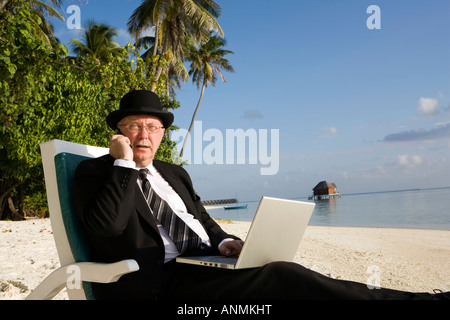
60,159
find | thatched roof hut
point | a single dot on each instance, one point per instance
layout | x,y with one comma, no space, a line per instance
324,188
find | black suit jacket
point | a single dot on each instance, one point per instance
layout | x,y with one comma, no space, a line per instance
119,223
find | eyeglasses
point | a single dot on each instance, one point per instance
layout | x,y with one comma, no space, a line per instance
137,127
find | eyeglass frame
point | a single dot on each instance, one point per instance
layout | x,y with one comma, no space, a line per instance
140,127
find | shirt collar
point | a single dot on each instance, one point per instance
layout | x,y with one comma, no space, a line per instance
151,169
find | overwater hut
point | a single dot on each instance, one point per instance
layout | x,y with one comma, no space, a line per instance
325,190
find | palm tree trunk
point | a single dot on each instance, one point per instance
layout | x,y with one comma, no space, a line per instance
193,116
155,48
157,67
157,76
155,52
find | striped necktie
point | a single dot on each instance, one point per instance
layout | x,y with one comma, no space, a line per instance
184,237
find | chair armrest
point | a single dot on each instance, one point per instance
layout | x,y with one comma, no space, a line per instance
81,271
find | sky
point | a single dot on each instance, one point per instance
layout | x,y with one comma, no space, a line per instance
323,90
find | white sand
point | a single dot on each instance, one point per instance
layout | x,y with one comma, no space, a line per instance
407,259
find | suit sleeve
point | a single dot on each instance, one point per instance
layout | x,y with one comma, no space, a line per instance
215,232
103,194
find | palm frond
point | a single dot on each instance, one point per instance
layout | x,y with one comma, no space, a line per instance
47,9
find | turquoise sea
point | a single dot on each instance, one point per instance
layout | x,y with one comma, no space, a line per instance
412,209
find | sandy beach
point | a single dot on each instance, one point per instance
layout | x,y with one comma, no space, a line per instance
405,259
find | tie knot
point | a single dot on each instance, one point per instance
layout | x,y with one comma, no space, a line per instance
143,173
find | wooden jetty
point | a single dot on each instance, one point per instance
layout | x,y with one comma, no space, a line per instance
223,201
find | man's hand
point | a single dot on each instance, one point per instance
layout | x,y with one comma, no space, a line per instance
231,248
119,147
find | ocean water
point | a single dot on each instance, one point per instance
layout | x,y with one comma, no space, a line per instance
412,209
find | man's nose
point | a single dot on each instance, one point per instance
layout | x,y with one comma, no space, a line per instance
144,133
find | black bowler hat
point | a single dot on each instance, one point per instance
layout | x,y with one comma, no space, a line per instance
139,102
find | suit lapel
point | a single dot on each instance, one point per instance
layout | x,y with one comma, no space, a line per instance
177,185
140,203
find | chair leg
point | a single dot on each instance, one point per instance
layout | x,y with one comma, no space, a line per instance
73,275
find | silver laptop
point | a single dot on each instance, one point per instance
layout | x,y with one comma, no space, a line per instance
274,235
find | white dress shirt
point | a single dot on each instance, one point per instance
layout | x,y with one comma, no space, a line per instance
166,192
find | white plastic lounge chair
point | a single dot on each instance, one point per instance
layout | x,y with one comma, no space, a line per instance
60,159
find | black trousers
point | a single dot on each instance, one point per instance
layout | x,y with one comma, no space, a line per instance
274,281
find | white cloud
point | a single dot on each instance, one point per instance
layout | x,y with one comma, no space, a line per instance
330,130
428,105
407,160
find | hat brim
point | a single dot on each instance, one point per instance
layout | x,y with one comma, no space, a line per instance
114,117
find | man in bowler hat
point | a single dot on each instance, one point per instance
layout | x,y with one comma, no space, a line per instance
121,221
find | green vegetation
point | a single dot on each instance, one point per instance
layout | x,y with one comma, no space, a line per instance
46,94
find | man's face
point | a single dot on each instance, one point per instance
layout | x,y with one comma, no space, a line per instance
144,142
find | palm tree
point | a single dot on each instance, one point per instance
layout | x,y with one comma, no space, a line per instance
98,43
44,29
40,6
173,20
43,9
207,60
